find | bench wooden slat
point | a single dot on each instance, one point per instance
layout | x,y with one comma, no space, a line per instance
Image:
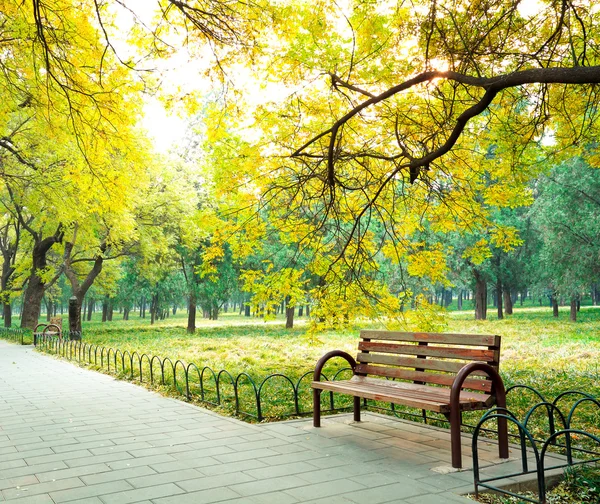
442,393
436,378
407,394
471,354
414,363
450,339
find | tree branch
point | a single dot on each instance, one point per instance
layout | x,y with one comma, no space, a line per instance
491,85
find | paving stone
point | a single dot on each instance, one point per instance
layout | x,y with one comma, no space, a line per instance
268,498
109,459
445,497
388,493
216,481
163,478
41,488
142,461
268,485
90,491
325,489
122,474
242,465
280,470
18,481
34,499
71,472
204,497
139,494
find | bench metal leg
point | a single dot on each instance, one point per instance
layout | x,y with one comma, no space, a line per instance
316,408
356,409
502,432
455,421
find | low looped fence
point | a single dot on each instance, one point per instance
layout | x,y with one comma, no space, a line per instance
274,396
19,336
563,435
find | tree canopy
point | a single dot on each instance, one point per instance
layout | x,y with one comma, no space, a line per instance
347,153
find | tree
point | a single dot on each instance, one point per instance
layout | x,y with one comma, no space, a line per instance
565,215
412,100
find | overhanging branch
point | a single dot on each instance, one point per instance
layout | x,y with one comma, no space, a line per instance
491,85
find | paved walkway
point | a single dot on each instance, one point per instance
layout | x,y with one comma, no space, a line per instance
72,435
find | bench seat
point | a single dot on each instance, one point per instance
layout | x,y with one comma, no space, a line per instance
436,399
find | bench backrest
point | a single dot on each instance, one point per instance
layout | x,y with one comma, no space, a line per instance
427,358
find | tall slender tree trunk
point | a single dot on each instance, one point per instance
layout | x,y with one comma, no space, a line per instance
554,305
90,309
508,302
153,309
459,300
191,325
480,296
573,312
499,299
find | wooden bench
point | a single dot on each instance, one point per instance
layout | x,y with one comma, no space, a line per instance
444,373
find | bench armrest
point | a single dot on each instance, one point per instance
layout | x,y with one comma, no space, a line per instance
330,355
497,384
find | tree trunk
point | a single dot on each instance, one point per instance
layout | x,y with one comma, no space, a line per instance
111,310
508,302
573,314
32,302
554,306
247,311
459,301
300,310
104,310
289,317
75,313
7,315
480,296
448,301
153,308
499,299
32,299
191,325
90,309
126,311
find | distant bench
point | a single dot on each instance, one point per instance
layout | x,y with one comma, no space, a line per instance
446,373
